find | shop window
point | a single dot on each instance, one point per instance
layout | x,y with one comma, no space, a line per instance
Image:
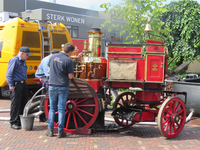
73,30
116,36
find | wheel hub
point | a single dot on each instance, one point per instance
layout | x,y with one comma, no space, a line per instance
71,105
175,118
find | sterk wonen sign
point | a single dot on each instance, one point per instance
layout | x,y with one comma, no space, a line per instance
65,18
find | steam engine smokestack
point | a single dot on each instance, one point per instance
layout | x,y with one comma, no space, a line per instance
94,47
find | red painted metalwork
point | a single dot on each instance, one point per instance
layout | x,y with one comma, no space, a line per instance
155,49
150,41
148,97
79,112
123,55
99,52
147,116
96,84
125,48
171,117
155,68
121,84
80,44
137,117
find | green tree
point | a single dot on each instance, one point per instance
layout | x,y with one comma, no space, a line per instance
183,19
134,14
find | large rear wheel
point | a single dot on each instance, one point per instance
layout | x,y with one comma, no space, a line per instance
79,113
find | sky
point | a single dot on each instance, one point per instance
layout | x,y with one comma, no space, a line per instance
91,4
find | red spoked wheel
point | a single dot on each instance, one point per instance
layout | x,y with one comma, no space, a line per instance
171,117
124,99
79,113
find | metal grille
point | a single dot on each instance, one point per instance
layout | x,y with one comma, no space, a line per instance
58,40
31,39
35,51
34,58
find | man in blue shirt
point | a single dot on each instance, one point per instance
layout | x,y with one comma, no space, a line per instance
61,70
16,76
43,73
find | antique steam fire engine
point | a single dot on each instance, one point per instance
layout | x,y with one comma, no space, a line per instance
125,67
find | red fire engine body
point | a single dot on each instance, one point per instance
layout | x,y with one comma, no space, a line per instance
125,67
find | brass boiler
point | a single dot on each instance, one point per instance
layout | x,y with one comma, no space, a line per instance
93,66
94,47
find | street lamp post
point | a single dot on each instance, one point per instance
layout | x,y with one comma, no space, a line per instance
28,15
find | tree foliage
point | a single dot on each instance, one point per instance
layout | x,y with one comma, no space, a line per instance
183,19
134,14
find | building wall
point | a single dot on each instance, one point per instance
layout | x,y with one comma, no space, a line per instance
1,5
19,6
13,6
194,67
84,19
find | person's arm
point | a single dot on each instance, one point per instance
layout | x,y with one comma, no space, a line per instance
71,75
45,66
70,70
49,64
9,74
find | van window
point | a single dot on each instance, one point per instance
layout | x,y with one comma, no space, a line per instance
58,40
31,39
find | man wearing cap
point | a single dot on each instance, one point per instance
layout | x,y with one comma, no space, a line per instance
16,76
43,73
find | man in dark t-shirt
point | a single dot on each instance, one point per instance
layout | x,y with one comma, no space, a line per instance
61,70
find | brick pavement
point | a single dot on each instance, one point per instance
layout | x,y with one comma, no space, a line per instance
137,137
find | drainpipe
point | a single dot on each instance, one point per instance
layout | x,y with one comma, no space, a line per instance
25,5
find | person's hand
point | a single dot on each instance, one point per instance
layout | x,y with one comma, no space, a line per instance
12,89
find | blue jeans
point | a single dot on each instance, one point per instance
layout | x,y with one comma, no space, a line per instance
57,96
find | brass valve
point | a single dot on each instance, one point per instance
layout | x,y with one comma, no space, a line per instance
82,67
100,66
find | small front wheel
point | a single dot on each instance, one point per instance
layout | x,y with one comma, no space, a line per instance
171,117
124,99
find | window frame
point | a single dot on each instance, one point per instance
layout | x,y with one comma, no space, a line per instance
71,29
